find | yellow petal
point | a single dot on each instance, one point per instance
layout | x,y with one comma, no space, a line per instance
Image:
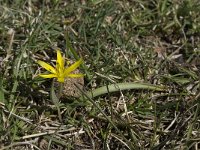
47,75
47,66
60,61
72,67
61,79
75,75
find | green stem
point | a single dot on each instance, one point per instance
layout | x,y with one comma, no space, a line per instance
55,98
60,90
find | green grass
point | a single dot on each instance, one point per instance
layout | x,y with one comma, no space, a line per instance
152,42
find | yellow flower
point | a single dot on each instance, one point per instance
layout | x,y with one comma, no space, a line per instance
60,71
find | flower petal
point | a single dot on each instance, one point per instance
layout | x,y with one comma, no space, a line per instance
47,66
75,75
60,61
47,75
72,67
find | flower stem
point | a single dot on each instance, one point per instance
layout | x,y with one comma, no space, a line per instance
55,98
60,90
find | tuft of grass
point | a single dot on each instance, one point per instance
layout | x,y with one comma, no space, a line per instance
153,43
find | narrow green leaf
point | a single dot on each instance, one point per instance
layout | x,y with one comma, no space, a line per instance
1,91
123,86
12,96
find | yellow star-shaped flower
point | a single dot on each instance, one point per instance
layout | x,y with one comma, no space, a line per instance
60,72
